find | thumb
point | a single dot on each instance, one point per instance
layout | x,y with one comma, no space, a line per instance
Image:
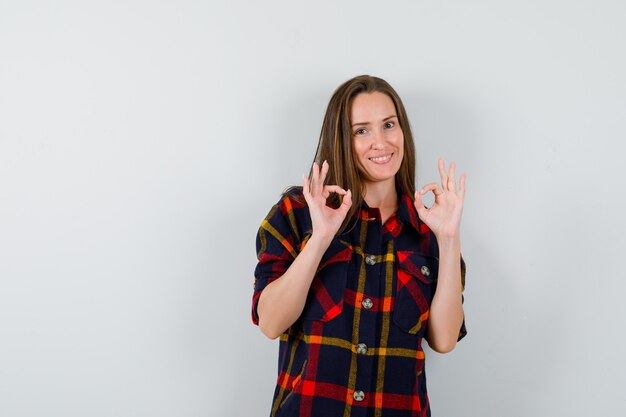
419,205
346,203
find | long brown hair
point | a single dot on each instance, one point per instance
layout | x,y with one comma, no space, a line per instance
336,145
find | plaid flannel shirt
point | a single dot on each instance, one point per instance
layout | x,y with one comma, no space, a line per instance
356,350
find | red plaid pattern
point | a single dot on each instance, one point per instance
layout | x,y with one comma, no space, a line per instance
356,350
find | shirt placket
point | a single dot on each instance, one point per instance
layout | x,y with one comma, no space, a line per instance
374,249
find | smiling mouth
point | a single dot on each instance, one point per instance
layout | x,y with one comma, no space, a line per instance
381,159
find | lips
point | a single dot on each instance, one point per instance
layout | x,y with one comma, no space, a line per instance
383,159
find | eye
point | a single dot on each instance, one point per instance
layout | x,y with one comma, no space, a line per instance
389,125
359,132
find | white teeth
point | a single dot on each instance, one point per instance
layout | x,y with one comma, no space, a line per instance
380,158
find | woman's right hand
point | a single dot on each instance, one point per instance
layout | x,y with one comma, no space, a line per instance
325,220
282,301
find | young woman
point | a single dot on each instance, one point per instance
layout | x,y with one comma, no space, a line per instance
354,271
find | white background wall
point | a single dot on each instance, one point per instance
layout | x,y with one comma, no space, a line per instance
142,143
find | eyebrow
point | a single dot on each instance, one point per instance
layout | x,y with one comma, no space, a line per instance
367,123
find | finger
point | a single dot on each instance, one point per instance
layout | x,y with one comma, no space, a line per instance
315,189
442,173
332,189
305,189
323,173
434,187
462,186
451,179
346,203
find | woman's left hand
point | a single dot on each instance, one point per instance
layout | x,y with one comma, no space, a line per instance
444,217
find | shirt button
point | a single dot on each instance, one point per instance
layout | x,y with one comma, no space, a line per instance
370,260
361,348
358,395
425,271
367,303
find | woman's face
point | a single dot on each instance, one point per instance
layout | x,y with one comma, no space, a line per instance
377,136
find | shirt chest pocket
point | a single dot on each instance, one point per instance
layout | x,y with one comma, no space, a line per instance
416,280
325,299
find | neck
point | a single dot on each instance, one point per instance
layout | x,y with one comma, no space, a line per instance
381,194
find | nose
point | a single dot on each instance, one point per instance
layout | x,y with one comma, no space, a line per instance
378,140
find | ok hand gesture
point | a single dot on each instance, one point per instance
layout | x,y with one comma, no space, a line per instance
326,221
444,216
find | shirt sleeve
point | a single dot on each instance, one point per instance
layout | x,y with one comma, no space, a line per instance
463,329
276,247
